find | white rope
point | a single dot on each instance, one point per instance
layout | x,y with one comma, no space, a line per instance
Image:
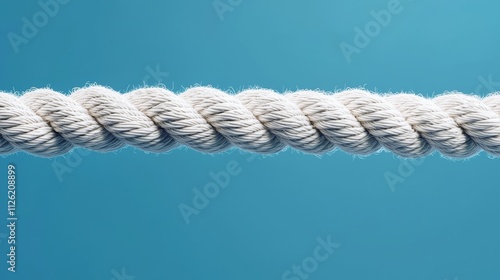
46,123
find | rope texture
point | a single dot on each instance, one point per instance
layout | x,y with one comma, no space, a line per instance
47,123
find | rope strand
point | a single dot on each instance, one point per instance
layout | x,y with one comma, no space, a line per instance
47,123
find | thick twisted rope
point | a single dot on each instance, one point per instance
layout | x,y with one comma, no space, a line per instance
46,123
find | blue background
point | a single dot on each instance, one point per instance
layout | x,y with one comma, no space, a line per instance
121,209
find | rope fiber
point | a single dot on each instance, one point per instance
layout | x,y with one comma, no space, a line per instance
47,123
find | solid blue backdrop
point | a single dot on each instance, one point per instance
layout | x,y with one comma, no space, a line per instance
118,215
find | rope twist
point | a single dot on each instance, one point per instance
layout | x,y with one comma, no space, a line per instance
47,123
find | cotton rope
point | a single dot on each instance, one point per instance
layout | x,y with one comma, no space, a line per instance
47,123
